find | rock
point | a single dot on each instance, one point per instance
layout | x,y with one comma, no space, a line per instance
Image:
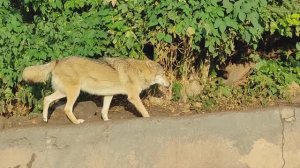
294,89
186,108
191,87
237,73
294,92
197,105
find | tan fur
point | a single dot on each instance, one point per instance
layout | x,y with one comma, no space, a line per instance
38,73
107,77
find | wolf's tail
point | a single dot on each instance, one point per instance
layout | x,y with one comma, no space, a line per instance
38,73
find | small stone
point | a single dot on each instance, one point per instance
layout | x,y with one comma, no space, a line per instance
197,105
33,121
186,108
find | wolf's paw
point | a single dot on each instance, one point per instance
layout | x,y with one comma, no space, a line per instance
45,119
106,119
79,121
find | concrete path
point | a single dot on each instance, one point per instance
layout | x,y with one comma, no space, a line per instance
267,138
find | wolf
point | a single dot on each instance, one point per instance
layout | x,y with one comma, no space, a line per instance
104,76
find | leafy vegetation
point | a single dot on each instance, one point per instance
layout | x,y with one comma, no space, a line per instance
192,36
269,81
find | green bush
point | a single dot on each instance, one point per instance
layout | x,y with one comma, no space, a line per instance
272,77
284,19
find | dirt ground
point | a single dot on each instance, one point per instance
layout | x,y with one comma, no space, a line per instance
90,111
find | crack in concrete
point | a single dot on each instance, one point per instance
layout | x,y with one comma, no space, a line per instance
32,159
285,116
282,141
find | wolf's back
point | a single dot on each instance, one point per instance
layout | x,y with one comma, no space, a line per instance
38,73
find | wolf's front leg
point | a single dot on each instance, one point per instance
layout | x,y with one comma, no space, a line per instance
72,94
49,99
137,102
105,108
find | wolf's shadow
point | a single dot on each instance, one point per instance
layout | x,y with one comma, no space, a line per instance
118,100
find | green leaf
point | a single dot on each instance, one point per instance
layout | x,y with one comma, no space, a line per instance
242,16
69,5
153,21
59,4
298,46
218,22
298,56
225,91
253,18
237,4
190,31
246,7
247,36
231,22
228,6
263,3
220,13
172,15
14,21
160,36
179,28
129,43
222,28
123,8
168,38
162,22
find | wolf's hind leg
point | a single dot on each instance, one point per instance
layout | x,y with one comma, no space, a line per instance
106,104
72,94
137,102
48,100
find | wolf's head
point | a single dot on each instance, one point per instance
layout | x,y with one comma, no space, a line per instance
160,77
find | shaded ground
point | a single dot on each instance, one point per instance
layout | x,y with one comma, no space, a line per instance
90,111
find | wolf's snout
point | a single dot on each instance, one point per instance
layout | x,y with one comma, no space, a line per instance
166,83
162,80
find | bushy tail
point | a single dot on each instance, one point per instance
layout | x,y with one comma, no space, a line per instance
38,73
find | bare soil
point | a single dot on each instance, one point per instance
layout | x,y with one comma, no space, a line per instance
90,111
